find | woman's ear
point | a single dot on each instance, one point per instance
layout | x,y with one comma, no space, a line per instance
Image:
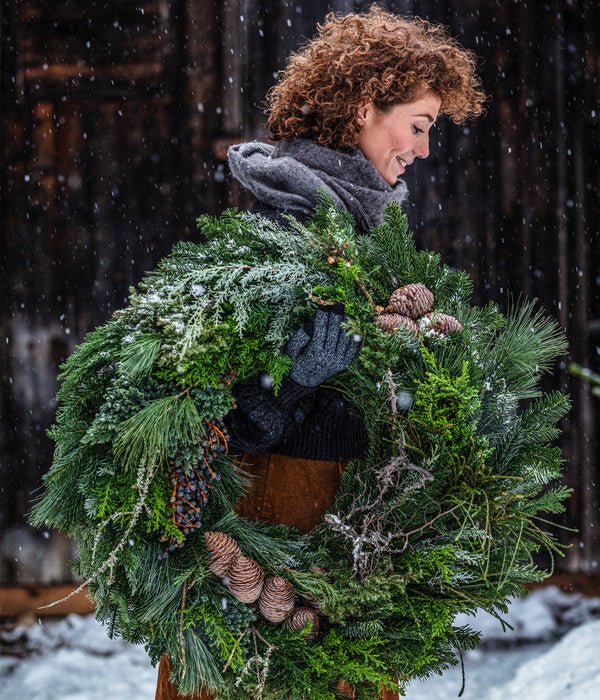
362,113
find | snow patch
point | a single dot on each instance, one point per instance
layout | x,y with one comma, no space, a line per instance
570,670
543,615
73,658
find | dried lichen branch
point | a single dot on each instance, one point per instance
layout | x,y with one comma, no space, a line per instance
366,522
389,378
261,664
145,475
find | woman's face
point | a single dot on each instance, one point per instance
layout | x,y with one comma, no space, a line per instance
391,140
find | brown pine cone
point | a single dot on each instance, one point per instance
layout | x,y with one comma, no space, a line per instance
301,617
277,599
389,322
246,579
343,689
318,570
223,551
314,604
412,300
439,323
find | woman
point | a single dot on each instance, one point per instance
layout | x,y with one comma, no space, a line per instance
352,111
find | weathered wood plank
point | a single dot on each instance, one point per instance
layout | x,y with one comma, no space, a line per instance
18,601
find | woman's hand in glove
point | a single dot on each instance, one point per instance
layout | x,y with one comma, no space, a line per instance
319,355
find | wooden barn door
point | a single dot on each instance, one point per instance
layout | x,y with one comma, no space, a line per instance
108,109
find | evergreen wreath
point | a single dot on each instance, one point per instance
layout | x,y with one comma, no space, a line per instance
442,516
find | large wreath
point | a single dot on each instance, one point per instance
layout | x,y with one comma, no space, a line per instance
443,515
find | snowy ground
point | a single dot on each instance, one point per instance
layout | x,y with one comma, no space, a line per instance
553,653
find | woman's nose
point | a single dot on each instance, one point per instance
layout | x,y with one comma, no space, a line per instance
421,149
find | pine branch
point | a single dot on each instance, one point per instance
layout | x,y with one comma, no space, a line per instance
525,349
587,375
158,428
138,355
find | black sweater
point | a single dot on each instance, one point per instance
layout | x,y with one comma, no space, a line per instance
302,422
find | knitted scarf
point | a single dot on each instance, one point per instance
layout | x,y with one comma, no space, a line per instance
288,177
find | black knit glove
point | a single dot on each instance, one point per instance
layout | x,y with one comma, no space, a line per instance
317,356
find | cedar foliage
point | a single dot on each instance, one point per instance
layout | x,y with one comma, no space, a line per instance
443,515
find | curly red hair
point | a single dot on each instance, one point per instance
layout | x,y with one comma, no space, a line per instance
372,56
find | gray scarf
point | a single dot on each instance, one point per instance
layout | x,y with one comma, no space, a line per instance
289,175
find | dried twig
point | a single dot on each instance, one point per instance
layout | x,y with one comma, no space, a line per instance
237,643
389,378
366,524
181,636
364,290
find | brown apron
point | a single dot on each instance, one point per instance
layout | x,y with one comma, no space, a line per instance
283,490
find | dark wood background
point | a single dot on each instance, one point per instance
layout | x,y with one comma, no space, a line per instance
115,119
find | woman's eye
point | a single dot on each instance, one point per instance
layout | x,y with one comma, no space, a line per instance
416,130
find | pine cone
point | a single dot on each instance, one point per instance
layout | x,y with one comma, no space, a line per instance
343,689
439,323
389,323
223,549
314,605
277,599
245,579
412,300
301,617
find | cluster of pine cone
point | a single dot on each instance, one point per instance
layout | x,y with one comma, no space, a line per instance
410,307
245,578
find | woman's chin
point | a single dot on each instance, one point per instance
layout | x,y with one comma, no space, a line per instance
394,174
